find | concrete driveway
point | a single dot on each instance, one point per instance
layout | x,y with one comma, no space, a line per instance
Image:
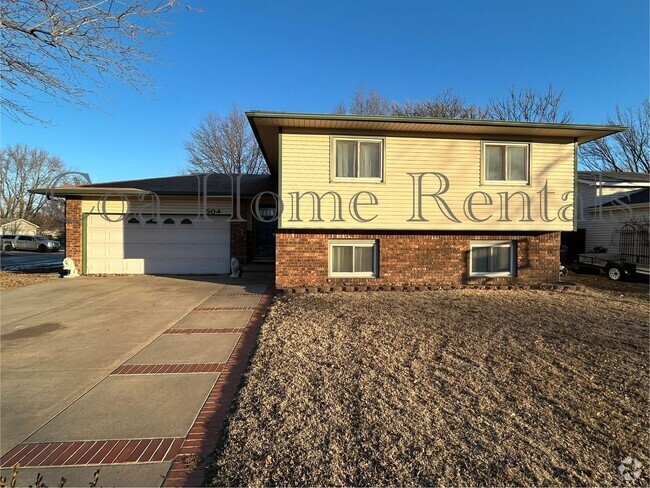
114,371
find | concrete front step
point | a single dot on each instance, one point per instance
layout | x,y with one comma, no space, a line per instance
258,268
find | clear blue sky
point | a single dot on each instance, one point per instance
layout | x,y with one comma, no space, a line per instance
306,56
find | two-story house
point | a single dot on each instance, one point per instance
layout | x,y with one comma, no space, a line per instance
361,200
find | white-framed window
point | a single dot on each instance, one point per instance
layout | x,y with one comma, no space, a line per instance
492,258
353,258
506,162
358,159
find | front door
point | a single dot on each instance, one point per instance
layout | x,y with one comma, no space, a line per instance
265,234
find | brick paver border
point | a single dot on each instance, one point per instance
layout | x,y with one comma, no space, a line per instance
184,452
85,453
240,294
230,330
188,468
169,368
212,309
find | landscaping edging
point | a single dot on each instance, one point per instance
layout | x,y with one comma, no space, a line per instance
563,287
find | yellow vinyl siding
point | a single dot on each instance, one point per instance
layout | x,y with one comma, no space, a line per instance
168,205
306,166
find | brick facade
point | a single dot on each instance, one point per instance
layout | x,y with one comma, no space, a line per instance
73,231
238,241
414,258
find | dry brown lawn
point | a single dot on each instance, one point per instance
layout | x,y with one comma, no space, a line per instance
443,388
13,279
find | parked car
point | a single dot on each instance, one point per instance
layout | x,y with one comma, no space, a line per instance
34,243
7,241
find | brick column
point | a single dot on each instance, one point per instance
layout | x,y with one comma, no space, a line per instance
74,231
238,241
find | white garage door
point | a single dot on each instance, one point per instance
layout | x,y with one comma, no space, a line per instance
172,244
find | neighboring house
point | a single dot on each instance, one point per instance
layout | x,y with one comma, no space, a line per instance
365,200
606,202
18,226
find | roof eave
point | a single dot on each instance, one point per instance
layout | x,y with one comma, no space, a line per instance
580,133
74,191
434,120
272,168
66,192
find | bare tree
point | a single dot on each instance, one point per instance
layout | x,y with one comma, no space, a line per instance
23,168
366,103
624,151
63,48
447,105
224,145
528,105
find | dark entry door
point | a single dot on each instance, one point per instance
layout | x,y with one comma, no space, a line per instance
265,234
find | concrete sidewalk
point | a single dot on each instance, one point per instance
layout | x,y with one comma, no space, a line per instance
114,372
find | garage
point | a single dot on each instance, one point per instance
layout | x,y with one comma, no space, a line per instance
166,244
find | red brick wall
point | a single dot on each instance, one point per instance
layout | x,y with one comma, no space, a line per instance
73,231
409,258
238,241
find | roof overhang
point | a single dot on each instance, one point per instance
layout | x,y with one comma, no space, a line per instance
268,125
193,185
615,184
64,191
608,208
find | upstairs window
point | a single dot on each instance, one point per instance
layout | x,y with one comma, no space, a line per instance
358,159
506,162
489,258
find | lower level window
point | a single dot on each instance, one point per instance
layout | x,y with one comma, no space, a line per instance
353,259
489,258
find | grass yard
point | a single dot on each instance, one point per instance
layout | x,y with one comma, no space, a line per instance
15,279
443,388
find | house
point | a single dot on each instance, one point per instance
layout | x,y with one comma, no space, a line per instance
362,200
607,201
18,226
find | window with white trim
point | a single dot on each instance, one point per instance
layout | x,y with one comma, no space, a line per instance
357,259
492,258
359,159
506,162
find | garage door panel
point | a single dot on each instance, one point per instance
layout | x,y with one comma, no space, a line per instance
171,251
119,247
163,266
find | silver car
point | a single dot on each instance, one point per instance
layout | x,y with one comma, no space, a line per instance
34,243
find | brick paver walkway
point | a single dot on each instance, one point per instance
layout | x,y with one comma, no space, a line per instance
188,454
